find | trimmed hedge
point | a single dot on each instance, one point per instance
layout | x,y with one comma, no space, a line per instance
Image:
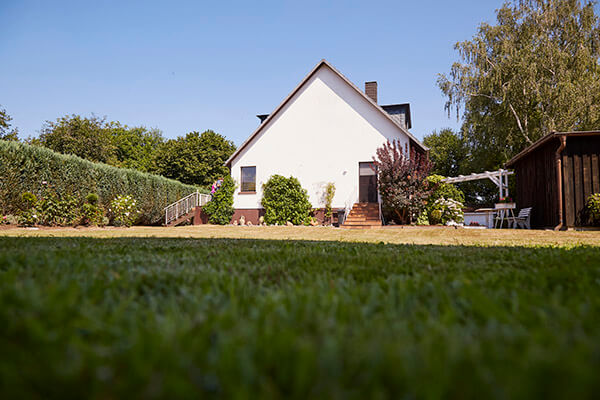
25,168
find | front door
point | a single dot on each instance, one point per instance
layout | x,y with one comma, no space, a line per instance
367,182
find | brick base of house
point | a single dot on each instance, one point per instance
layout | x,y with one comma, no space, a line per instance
253,215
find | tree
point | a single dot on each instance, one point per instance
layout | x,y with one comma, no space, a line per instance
195,159
6,133
448,152
96,139
89,138
135,147
533,72
402,180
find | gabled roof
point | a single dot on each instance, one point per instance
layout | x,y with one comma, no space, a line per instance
545,139
297,88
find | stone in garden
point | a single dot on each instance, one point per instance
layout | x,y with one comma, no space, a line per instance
235,223
289,224
249,223
261,220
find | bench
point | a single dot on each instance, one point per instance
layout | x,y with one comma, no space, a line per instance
523,219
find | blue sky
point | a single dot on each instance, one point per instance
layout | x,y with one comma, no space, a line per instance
184,66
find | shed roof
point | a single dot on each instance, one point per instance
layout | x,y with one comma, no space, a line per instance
546,139
297,88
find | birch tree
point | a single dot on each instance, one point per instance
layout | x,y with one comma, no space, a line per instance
535,71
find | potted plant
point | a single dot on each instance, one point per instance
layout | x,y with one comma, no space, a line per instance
505,202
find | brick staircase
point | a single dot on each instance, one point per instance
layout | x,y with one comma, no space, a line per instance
363,216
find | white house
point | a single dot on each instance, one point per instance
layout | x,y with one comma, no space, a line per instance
325,130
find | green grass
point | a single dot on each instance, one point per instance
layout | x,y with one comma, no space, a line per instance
191,318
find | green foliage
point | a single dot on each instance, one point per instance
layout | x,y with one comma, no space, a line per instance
92,199
219,318
329,194
446,210
91,213
423,219
28,200
534,72
194,159
435,216
220,208
88,138
402,180
57,210
96,139
9,220
6,133
136,147
284,200
443,189
593,207
26,168
123,210
448,152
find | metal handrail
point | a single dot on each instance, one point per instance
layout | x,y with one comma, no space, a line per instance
350,201
184,205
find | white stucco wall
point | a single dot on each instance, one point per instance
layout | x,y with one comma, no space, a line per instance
319,136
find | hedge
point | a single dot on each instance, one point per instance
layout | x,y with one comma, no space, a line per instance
26,168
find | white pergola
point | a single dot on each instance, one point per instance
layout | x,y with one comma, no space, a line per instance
500,178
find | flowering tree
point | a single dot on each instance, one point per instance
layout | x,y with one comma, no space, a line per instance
403,186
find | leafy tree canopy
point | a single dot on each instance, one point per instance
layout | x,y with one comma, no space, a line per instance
196,158
448,151
533,72
6,133
99,140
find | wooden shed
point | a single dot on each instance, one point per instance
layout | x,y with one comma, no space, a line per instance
556,175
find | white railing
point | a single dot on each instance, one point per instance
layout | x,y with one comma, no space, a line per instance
349,203
185,205
380,212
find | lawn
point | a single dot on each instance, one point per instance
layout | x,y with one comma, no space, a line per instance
151,317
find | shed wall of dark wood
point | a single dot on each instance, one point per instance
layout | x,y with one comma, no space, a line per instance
581,176
536,185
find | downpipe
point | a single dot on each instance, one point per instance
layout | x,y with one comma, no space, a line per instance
563,144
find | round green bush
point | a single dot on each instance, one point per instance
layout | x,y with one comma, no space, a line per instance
284,200
28,199
92,199
220,208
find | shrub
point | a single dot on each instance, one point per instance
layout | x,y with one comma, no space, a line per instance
329,193
442,189
284,200
402,182
220,208
446,210
123,210
24,167
57,210
90,213
9,220
593,207
28,200
28,215
423,218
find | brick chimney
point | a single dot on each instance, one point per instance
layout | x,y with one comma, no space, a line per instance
371,90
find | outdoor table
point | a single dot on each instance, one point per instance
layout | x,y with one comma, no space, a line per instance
505,211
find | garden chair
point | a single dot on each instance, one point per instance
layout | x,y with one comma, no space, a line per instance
523,219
